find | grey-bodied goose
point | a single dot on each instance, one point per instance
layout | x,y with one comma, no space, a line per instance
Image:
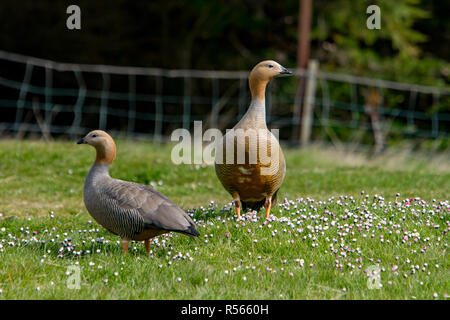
254,180
127,209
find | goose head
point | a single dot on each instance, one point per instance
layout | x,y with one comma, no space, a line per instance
267,70
261,74
103,144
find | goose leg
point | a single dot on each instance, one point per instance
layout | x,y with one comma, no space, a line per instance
237,204
125,246
147,245
268,205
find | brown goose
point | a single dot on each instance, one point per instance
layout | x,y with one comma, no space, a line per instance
253,180
127,209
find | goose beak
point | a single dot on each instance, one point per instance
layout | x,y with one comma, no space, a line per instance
81,141
285,71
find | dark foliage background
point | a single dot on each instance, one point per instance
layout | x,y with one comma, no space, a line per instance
233,34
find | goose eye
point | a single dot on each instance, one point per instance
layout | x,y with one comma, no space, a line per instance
270,65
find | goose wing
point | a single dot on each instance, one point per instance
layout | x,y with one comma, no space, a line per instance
156,210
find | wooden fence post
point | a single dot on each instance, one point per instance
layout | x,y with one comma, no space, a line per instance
310,93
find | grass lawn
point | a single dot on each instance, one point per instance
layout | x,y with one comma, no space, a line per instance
325,239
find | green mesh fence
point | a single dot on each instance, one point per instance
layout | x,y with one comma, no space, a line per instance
51,98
